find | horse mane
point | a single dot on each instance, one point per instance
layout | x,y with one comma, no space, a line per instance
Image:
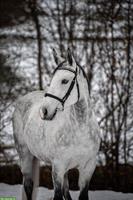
84,74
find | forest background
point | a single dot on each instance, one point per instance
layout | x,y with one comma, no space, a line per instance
100,34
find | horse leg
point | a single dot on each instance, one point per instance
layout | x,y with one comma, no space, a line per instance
84,192
83,185
30,173
85,174
28,163
57,176
66,192
35,176
26,168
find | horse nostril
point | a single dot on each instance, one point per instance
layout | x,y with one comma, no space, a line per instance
45,111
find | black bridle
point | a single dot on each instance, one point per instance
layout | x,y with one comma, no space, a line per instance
63,100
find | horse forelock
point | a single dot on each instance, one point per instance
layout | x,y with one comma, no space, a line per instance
59,66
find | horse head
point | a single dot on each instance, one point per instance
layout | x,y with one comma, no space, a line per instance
64,89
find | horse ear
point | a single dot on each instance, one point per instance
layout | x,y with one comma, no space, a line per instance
70,58
57,58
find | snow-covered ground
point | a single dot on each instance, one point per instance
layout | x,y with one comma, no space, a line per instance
45,194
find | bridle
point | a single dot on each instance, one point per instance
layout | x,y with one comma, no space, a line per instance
74,81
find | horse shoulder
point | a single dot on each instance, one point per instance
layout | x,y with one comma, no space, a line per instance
23,107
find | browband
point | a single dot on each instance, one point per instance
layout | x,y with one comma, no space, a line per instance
64,68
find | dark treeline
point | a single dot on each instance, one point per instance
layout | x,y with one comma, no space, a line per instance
102,178
100,33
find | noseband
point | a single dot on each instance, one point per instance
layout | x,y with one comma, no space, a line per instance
63,100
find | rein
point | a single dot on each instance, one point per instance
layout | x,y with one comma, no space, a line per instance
63,100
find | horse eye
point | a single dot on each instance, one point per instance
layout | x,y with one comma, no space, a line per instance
64,81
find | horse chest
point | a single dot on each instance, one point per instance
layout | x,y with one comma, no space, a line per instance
48,140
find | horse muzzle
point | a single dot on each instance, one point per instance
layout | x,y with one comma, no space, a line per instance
45,114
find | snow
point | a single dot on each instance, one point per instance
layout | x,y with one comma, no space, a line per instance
45,194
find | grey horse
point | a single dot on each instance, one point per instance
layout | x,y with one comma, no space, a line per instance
59,127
